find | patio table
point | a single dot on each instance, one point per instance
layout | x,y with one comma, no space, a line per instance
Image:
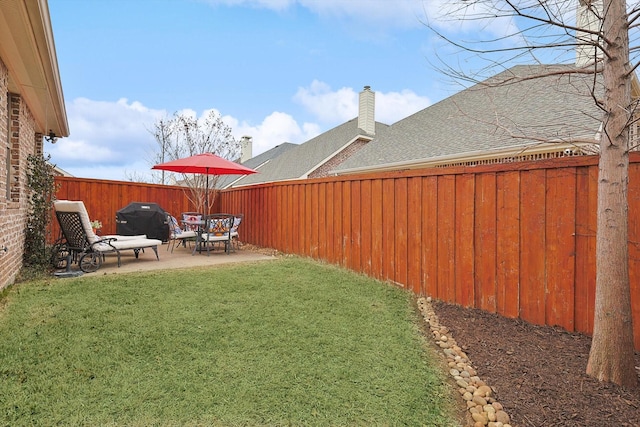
199,229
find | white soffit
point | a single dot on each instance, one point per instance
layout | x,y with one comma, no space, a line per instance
27,49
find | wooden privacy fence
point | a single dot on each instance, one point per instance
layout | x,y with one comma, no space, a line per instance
104,198
517,239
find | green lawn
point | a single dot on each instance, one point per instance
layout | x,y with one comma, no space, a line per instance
287,342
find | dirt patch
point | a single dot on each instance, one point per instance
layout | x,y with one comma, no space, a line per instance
538,372
259,249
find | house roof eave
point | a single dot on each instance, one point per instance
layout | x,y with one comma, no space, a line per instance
28,50
471,156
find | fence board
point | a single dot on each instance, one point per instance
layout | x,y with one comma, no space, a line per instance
356,232
560,247
278,240
267,201
376,229
464,242
290,214
314,222
255,204
508,243
308,226
446,238
485,242
346,223
430,236
329,233
388,230
532,256
337,225
414,234
295,220
367,232
401,232
322,222
276,214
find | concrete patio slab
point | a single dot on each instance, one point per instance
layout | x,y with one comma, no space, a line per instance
179,258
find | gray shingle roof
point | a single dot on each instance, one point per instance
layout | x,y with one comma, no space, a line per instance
256,163
485,117
300,160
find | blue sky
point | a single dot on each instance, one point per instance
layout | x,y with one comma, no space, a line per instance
277,70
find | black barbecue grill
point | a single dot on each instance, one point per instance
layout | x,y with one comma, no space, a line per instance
143,218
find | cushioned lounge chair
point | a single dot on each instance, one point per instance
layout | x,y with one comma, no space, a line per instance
88,249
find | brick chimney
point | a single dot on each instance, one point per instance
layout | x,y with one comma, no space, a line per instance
246,147
588,16
366,111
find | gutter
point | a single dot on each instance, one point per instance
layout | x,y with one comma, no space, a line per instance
469,156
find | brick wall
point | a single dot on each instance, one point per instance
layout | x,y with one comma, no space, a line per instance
22,140
343,155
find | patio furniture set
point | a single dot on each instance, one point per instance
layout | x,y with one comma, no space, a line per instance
79,244
205,231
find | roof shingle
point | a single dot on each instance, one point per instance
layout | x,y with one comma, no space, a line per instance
521,112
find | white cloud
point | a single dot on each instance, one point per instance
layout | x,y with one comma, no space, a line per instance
275,129
327,105
105,134
394,106
335,107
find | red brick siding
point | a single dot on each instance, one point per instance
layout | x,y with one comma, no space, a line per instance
22,141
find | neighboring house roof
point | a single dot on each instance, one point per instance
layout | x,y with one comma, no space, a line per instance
27,47
490,119
302,160
255,163
58,171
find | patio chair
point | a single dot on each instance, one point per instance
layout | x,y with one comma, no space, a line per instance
217,230
192,217
235,236
177,234
83,246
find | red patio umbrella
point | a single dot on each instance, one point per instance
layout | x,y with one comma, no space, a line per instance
206,163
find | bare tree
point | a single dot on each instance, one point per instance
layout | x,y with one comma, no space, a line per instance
185,135
598,33
135,176
162,132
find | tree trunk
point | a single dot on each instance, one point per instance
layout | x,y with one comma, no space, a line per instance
612,349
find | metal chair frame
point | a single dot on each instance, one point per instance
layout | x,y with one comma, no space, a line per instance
75,245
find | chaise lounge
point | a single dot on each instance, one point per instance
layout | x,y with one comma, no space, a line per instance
85,246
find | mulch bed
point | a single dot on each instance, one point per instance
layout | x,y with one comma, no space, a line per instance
538,372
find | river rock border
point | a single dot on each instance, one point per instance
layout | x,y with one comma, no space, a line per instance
484,409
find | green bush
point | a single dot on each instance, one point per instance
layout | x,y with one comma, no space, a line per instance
41,185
